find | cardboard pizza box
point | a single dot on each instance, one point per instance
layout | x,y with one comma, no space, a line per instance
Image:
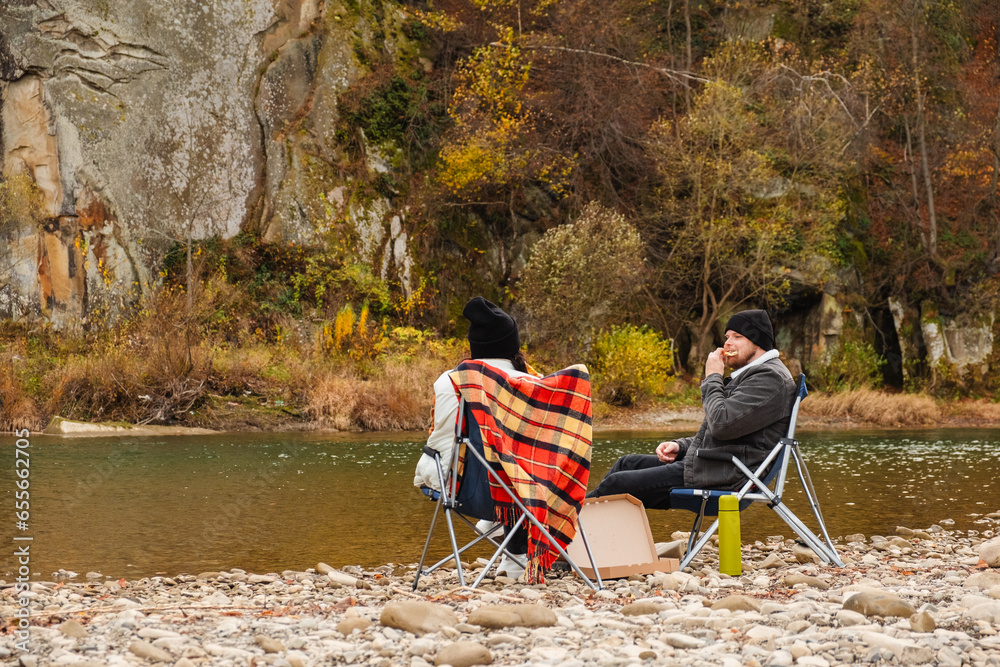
618,532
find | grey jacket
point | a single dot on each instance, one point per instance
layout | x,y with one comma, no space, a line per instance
745,416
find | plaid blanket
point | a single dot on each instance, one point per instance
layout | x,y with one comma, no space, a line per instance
537,436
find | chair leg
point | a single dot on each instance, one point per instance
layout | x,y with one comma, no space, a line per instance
590,553
807,485
538,524
814,543
454,548
503,549
427,544
692,552
484,536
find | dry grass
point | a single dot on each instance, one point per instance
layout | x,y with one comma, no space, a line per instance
873,407
17,409
982,411
396,395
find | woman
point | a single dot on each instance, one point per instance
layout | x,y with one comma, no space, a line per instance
494,340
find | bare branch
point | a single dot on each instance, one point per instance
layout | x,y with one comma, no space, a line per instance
677,76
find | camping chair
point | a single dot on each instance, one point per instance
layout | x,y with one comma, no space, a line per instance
467,495
757,489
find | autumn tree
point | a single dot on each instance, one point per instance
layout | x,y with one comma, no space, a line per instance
751,196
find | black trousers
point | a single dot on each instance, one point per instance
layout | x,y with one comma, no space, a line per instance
645,477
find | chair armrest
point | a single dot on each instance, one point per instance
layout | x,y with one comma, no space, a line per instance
718,456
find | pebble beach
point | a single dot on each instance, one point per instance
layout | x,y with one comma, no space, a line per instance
923,596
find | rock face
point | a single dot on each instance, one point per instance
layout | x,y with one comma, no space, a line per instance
148,123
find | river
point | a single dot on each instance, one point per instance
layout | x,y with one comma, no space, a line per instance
135,507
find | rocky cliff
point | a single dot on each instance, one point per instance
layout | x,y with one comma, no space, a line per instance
145,124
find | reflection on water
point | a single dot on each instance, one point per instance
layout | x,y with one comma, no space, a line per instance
268,502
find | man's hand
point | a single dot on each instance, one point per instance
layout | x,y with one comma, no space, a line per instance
714,363
667,451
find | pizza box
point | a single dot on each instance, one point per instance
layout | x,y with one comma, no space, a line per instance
618,532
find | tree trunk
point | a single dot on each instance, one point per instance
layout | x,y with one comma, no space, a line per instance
689,63
913,180
190,271
922,139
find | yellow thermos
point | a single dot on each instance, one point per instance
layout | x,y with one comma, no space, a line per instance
730,558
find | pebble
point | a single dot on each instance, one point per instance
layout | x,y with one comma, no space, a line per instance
874,603
464,654
989,552
149,652
931,602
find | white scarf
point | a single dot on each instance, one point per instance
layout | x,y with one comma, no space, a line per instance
767,356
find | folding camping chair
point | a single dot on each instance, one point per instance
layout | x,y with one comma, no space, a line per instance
757,489
468,495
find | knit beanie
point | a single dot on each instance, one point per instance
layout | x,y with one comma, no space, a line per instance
492,332
755,325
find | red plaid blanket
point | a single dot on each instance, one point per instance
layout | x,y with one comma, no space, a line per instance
537,436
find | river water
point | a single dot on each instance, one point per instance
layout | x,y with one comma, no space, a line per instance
135,507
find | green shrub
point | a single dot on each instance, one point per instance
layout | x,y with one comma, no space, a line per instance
630,363
581,276
851,365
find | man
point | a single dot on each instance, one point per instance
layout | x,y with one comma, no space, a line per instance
745,414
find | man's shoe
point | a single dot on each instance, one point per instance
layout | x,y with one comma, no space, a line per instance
509,567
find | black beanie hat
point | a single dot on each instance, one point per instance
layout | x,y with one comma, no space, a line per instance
755,325
492,332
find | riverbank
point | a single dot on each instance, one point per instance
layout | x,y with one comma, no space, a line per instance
919,597
850,410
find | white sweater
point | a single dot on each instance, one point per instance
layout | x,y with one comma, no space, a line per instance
442,438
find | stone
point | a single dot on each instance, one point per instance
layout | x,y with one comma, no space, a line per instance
856,537
773,562
905,652
269,644
350,624
984,580
737,603
874,603
513,615
813,661
418,617
156,633
679,640
780,658
904,532
73,630
922,622
986,611
847,618
797,578
673,549
643,607
989,551
668,582
464,654
804,554
758,634
147,651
